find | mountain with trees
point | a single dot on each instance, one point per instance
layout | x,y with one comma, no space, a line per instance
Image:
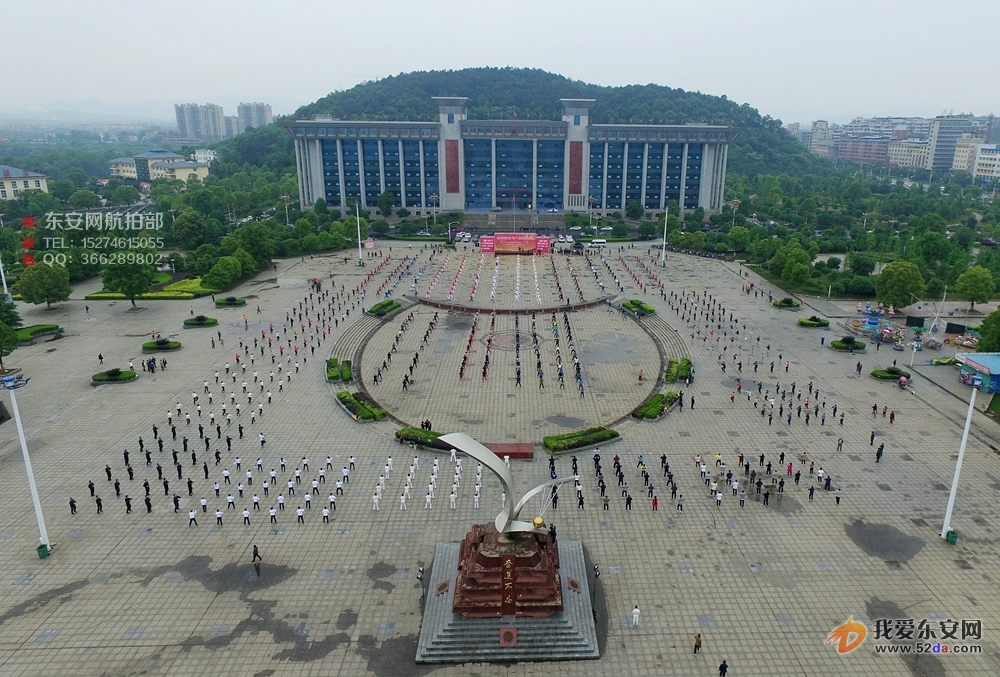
504,93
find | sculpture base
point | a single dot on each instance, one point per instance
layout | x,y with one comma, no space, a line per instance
449,637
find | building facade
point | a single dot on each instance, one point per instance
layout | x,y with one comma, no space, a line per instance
945,132
14,181
123,168
910,153
178,171
987,162
232,126
499,165
254,115
863,149
205,123
203,155
965,151
144,162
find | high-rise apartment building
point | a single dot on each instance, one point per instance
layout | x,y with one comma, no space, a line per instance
233,126
254,115
206,123
945,132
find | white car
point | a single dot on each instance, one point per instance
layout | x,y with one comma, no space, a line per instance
576,228
607,229
569,239
562,238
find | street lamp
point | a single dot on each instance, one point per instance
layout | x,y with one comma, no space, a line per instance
946,527
434,202
450,224
735,203
10,383
286,200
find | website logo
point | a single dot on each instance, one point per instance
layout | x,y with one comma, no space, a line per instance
841,636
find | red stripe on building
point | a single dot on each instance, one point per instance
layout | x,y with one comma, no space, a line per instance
451,166
575,167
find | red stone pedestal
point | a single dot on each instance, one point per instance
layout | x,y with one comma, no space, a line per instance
507,574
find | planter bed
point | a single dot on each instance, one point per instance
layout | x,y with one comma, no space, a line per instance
383,308
160,346
813,322
360,407
656,406
112,376
200,321
27,335
332,370
420,437
786,303
638,307
580,438
842,347
230,301
346,374
890,374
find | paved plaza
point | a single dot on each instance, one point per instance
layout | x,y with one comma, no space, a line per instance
147,593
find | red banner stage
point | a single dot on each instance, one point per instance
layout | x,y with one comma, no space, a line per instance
514,243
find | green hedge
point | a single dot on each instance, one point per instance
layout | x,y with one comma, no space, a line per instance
332,369
417,435
636,306
890,374
230,301
384,307
813,322
346,374
191,285
27,334
671,374
113,376
580,438
847,343
361,406
787,302
684,368
651,408
148,296
161,344
200,321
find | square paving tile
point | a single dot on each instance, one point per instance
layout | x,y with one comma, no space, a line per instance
706,621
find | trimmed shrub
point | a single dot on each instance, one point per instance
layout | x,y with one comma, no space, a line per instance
651,408
847,343
787,302
580,438
162,344
363,410
638,307
191,285
417,436
200,321
890,374
684,368
346,374
148,296
28,334
230,301
332,369
383,308
672,367
813,322
113,376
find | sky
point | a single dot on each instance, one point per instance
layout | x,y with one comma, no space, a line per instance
797,60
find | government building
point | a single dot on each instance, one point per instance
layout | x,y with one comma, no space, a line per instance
458,164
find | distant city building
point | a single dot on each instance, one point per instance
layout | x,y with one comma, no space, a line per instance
864,149
144,162
945,132
180,141
910,153
253,115
888,127
493,165
965,151
14,181
204,122
987,162
123,168
203,155
823,139
179,171
232,126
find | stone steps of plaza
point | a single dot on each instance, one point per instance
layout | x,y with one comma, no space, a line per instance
351,340
669,339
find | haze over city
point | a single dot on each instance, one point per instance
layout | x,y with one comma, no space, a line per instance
797,61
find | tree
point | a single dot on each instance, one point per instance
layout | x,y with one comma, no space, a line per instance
188,229
380,228
8,341
124,195
989,334
833,263
795,272
84,199
247,265
9,315
859,264
619,230
897,282
256,239
130,279
738,238
386,202
320,207
647,229
78,176
976,284
224,273
634,210
44,283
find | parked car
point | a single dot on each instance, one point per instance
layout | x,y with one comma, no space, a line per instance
607,229
575,228
562,238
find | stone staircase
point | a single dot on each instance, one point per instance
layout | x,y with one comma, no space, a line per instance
667,339
446,637
351,341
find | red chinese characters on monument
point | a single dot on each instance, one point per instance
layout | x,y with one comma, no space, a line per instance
508,590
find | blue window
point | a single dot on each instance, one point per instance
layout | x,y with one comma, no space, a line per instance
430,171
616,165
595,184
352,170
654,174
514,187
478,173
675,156
550,170
576,120
692,179
633,181
411,172
390,163
331,173
372,175
451,118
